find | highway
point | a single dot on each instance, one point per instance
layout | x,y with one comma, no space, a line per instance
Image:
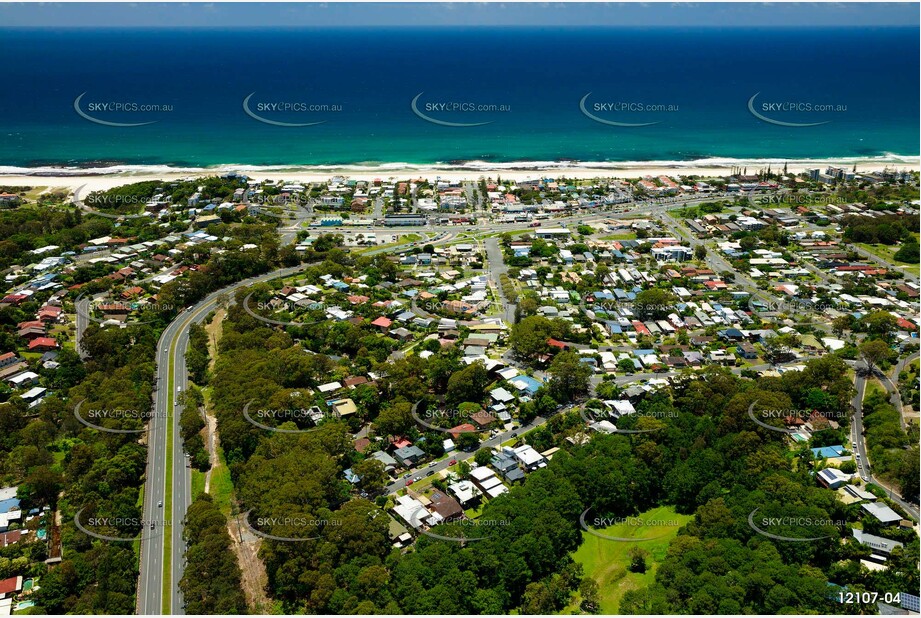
171,362
164,442
82,310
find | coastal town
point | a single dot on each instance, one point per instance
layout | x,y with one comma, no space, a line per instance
456,335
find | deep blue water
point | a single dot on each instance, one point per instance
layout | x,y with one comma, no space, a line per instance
706,76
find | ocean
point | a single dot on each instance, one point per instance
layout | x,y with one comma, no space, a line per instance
488,97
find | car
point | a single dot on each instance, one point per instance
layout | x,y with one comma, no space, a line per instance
514,434
153,525
178,389
430,473
160,504
853,445
453,462
407,475
410,482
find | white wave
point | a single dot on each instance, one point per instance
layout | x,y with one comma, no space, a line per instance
891,159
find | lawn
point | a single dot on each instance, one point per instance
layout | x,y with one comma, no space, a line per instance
606,560
887,252
403,240
221,489
618,237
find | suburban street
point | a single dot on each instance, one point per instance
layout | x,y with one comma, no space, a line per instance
160,573
864,468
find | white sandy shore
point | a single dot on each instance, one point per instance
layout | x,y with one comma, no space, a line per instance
96,182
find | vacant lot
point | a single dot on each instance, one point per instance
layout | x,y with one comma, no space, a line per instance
606,560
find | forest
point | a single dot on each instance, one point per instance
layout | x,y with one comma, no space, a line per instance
707,459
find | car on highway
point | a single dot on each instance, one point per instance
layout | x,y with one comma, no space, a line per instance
160,504
153,525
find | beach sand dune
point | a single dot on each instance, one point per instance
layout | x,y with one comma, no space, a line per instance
98,182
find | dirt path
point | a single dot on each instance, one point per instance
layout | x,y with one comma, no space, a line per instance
254,577
245,544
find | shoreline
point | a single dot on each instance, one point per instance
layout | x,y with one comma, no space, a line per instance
102,178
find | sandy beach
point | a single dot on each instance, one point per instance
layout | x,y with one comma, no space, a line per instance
89,182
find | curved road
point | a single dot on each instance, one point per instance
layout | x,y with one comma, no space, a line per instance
864,467
157,591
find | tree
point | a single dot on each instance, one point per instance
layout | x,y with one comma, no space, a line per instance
909,253
779,348
588,591
395,420
468,441
212,583
529,336
843,323
373,476
700,252
626,365
748,243
570,376
483,457
879,323
637,557
654,303
873,352
468,384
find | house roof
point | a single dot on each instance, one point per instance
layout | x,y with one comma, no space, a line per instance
11,584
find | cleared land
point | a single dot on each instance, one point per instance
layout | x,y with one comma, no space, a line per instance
607,561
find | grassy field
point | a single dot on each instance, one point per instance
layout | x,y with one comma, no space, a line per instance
887,252
404,239
221,489
606,560
625,236
198,482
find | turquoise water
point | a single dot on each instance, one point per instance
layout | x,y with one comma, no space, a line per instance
694,84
